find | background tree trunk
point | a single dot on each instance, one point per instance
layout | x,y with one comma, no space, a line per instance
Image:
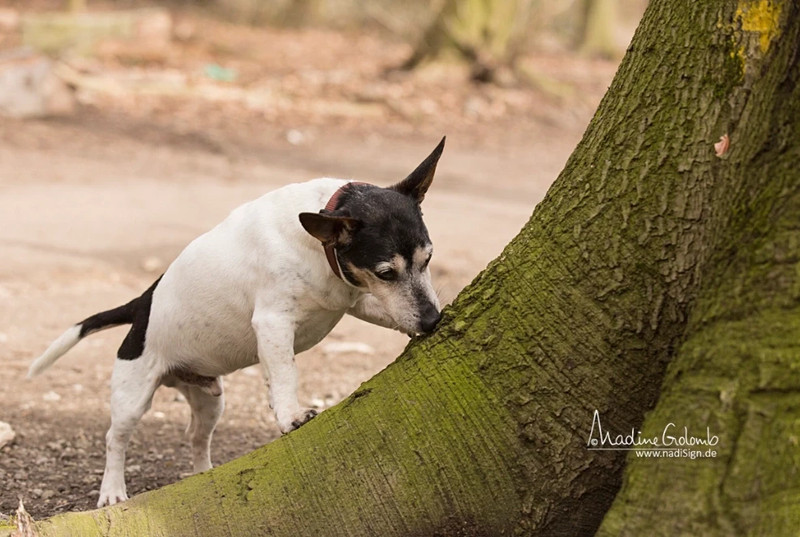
646,243
487,34
597,28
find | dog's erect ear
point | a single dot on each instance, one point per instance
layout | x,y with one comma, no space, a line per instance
417,184
329,229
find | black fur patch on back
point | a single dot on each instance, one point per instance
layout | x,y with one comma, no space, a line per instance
133,345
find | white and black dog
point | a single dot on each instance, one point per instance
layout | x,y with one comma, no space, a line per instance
260,288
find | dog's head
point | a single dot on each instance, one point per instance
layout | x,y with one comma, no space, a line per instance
382,244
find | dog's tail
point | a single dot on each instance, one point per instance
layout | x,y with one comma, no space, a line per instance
67,340
125,314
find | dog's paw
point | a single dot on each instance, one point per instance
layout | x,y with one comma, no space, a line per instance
111,497
296,420
304,416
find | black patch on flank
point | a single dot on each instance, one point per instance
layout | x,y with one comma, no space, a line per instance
117,316
133,345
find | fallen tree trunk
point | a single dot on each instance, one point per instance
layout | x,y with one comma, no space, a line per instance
643,245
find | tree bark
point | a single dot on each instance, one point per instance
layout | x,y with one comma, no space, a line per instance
737,370
648,247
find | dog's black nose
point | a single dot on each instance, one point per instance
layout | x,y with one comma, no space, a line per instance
429,318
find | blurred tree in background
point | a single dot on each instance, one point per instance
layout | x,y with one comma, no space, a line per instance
597,22
489,36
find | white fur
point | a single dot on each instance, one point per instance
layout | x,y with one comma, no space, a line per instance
391,304
57,348
256,288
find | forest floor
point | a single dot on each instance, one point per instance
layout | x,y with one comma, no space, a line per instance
95,205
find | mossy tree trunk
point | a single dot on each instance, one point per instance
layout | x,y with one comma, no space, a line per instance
737,369
649,254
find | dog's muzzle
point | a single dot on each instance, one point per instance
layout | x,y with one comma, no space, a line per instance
429,318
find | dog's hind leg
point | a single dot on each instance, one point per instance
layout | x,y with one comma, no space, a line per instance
133,383
207,404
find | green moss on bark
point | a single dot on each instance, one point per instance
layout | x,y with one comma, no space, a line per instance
348,472
738,371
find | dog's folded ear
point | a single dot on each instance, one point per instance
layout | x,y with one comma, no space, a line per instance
329,229
418,182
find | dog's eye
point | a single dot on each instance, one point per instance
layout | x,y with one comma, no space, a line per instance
425,264
386,274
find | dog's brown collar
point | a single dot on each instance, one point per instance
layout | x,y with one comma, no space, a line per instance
330,249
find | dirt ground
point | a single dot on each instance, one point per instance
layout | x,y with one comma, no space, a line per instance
94,206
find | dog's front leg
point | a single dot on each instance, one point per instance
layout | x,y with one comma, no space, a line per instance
275,336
